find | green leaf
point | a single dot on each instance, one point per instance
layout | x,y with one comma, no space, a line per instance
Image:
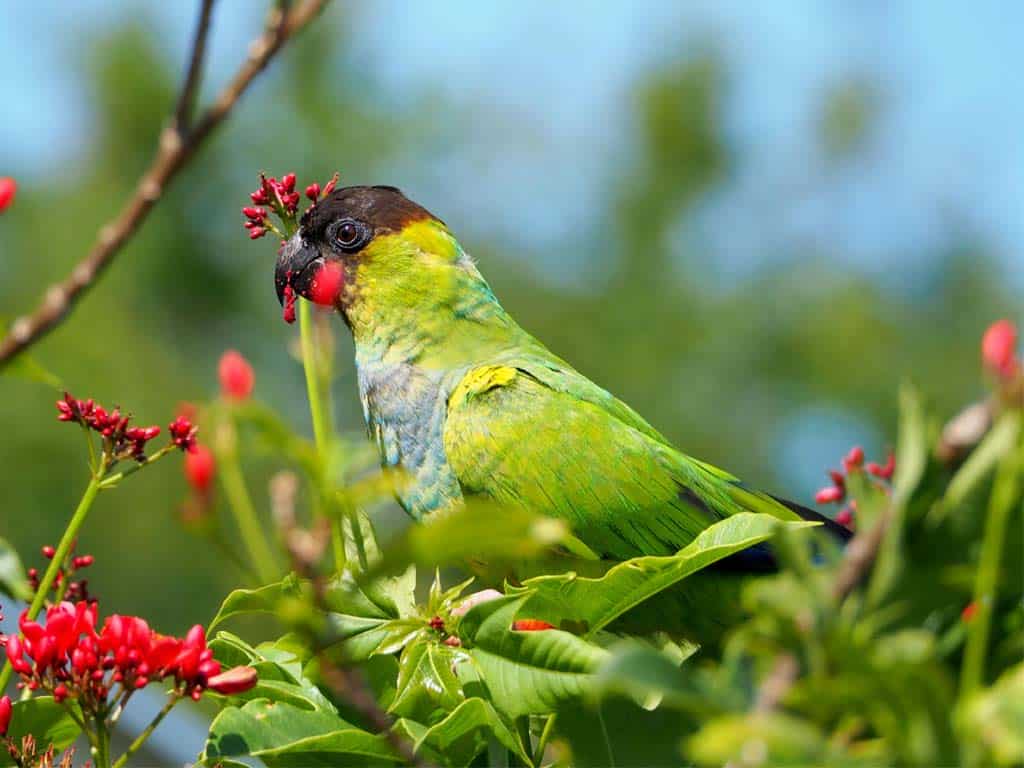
758,739
265,599
995,717
463,734
46,720
282,735
280,672
911,459
648,676
13,582
595,602
357,638
523,672
427,688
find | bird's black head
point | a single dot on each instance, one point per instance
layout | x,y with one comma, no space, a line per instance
336,234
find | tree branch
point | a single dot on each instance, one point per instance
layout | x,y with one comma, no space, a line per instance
186,99
175,148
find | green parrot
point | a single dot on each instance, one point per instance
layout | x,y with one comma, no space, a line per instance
469,404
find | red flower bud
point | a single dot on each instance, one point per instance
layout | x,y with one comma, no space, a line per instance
256,214
8,187
853,459
330,185
49,552
260,197
256,233
200,467
6,710
530,625
999,349
838,478
235,680
969,612
829,495
236,376
883,471
288,182
845,517
313,191
60,693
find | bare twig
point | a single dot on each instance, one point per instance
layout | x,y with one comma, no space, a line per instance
175,148
187,96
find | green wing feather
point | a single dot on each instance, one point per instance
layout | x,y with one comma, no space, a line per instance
531,431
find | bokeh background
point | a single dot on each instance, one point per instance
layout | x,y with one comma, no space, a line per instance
749,222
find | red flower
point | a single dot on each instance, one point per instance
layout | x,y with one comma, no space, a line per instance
200,468
6,710
236,376
999,349
530,625
8,187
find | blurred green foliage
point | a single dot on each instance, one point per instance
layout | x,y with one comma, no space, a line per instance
719,369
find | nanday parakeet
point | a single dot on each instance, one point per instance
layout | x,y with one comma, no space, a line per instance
469,404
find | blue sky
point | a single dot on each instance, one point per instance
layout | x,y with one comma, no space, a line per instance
554,77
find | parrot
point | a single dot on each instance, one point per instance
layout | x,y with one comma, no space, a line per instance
469,405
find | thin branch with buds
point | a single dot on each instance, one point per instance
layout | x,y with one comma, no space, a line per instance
178,143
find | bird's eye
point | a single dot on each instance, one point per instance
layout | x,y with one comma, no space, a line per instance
349,234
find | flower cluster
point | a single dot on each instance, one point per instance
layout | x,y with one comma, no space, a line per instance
63,585
852,462
124,440
71,657
282,199
183,433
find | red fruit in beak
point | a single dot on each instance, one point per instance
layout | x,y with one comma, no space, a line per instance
327,284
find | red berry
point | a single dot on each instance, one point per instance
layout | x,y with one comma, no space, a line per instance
530,625
200,467
49,552
327,284
236,376
999,348
8,187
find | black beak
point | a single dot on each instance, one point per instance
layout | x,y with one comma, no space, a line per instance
297,264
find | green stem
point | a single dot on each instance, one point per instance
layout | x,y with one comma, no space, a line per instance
101,749
141,738
319,415
63,548
542,742
1004,492
114,479
262,557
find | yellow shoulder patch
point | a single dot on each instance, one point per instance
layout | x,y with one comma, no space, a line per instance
480,380
432,237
